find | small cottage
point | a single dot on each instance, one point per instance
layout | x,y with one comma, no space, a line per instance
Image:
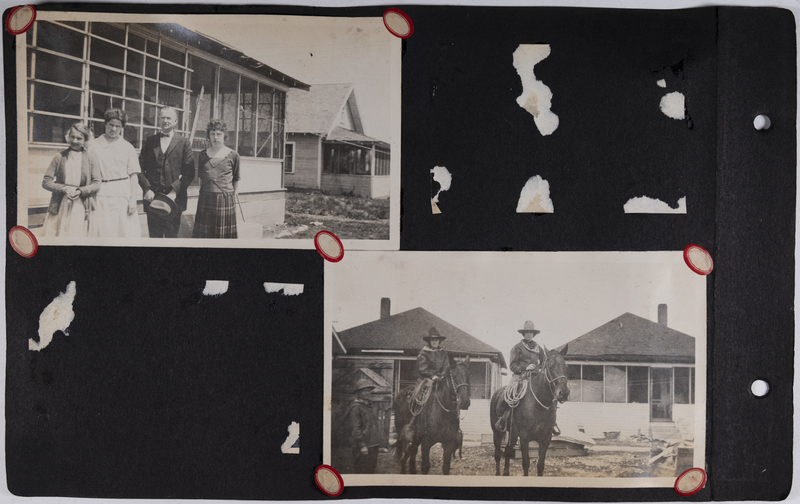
326,146
632,376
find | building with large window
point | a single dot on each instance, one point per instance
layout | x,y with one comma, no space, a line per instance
632,376
328,147
77,70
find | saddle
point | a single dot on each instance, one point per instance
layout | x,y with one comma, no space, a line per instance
420,395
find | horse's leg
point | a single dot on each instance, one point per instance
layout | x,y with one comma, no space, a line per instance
426,458
498,439
512,440
448,449
524,446
412,460
543,445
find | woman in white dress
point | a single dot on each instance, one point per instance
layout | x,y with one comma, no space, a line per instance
116,214
74,178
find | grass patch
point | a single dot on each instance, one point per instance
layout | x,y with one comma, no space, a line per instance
347,206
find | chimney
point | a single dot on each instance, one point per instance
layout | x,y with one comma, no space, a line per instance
662,314
386,305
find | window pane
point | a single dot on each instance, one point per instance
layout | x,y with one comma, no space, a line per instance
170,96
150,115
228,101
133,109
693,385
51,129
202,79
152,47
29,53
477,380
131,134
150,91
61,70
60,39
573,377
278,111
75,24
171,74
29,37
151,69
288,159
247,117
135,62
661,394
106,81
264,140
98,128
135,41
148,132
100,103
109,32
592,385
682,385
56,99
133,87
107,54
637,384
615,384
172,55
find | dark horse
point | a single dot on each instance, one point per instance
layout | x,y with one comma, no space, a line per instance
535,415
438,422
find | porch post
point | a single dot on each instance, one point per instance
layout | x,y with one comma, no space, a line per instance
319,162
372,161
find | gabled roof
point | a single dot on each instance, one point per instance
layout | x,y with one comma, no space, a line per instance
631,338
404,332
345,135
317,110
217,48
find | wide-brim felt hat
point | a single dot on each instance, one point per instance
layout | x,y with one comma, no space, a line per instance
362,384
434,334
528,327
162,206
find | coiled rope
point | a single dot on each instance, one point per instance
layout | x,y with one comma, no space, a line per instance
416,403
516,391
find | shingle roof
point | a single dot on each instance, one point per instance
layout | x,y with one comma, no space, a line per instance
315,111
345,135
633,338
404,331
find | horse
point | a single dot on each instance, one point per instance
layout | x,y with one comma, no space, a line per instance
437,422
535,415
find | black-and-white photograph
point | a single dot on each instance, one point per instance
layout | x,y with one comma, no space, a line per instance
263,129
584,369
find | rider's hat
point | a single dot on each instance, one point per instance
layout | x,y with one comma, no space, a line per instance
433,334
528,328
362,384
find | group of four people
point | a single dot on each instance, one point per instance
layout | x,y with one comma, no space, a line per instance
94,182
433,363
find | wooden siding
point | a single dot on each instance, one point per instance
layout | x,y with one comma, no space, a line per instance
596,418
306,154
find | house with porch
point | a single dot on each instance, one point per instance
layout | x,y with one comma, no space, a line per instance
76,70
633,376
326,147
385,352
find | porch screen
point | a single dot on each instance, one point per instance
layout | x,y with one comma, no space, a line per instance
615,384
638,377
683,386
592,383
341,158
479,380
574,382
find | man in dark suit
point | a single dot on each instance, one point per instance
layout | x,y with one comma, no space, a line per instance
168,167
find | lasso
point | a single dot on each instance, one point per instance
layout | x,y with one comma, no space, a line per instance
416,403
516,391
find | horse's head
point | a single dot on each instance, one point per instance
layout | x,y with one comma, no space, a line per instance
460,374
556,374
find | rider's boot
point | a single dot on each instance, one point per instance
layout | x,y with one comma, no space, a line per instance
502,423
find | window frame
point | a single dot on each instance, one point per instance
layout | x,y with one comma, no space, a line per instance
294,153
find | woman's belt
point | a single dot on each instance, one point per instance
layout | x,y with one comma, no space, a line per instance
115,180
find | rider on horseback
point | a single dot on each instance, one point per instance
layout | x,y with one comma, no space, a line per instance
525,359
433,362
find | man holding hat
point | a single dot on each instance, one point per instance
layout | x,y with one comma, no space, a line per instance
525,357
362,428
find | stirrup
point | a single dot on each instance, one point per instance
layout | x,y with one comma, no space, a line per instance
500,425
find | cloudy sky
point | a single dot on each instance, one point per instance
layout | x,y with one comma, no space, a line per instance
490,295
318,50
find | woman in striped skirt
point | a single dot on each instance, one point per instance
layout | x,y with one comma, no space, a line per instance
219,174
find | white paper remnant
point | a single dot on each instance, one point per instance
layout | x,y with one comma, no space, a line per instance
662,83
536,97
57,316
535,197
650,205
673,105
288,289
443,176
215,287
291,445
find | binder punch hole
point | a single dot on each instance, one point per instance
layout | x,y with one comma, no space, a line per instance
762,122
759,388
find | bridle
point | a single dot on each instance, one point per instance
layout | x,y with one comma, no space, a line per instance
451,380
544,370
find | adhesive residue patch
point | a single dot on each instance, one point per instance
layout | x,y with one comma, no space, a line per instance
536,97
215,288
698,259
535,197
286,289
292,443
56,316
444,178
673,105
645,204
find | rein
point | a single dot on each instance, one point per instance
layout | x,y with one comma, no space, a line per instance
550,382
455,388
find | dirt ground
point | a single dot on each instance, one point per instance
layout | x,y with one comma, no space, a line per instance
346,216
479,460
